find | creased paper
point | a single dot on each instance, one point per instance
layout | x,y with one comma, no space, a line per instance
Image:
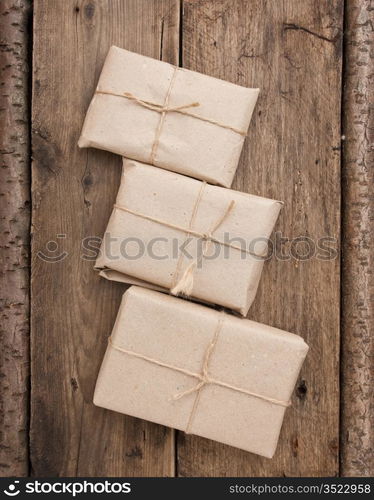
201,136
163,232
174,334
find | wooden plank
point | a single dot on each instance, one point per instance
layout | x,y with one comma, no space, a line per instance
14,237
292,50
357,433
73,190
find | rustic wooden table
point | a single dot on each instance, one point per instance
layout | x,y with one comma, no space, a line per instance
309,145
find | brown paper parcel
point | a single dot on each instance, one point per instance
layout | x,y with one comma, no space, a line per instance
198,370
172,232
170,117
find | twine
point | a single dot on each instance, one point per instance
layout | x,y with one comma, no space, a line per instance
203,377
165,108
184,285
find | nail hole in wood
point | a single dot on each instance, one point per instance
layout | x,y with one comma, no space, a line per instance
301,390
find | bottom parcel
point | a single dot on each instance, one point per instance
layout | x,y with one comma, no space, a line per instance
199,370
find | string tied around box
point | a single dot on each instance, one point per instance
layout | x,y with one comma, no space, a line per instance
165,108
203,377
183,285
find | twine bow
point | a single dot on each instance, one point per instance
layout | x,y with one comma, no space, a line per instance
184,285
159,107
203,377
164,108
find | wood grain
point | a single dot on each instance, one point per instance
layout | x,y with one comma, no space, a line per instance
14,237
292,50
357,432
73,190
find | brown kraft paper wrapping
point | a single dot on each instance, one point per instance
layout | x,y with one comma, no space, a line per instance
198,370
172,232
169,117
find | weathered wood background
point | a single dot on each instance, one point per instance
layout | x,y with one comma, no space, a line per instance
313,61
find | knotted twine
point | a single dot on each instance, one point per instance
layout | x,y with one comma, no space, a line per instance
165,108
184,285
203,377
